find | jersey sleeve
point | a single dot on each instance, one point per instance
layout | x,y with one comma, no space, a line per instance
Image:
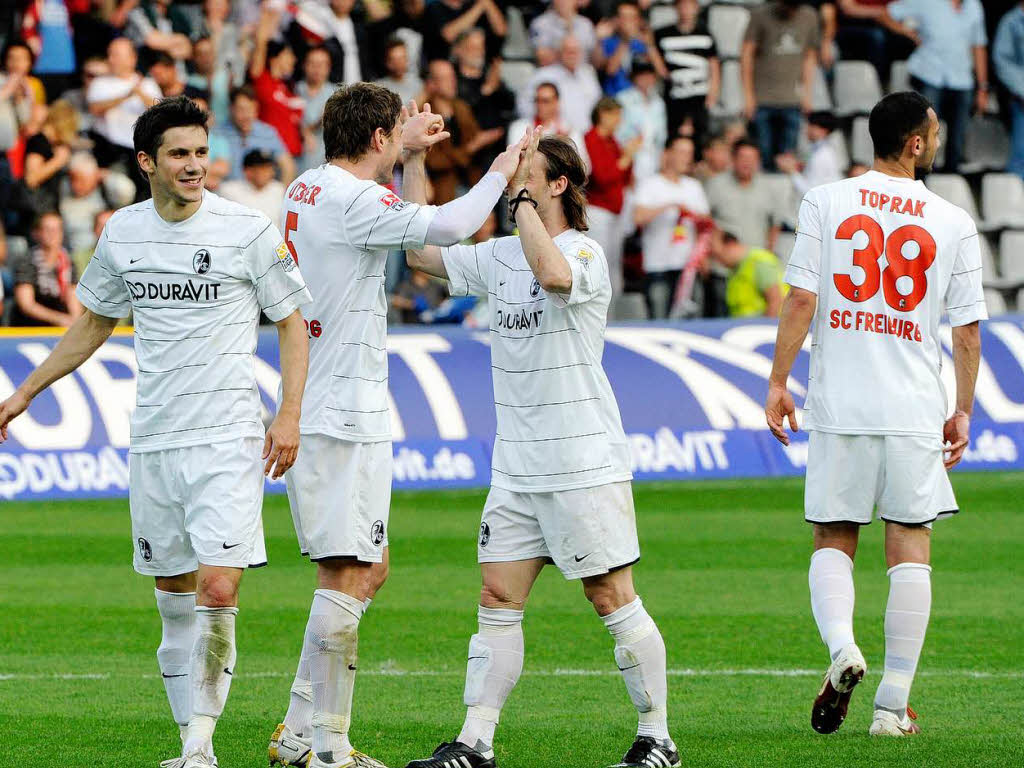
965,297
280,289
377,218
100,289
804,267
589,274
468,267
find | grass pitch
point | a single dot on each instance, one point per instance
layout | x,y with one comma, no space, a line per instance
724,573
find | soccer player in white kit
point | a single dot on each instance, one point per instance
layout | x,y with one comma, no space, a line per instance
340,223
195,271
561,470
877,260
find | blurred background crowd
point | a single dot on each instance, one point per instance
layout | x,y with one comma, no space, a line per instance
702,124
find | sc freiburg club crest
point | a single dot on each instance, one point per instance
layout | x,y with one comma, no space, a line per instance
377,533
485,534
201,261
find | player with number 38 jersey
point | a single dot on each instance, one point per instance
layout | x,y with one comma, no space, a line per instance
877,261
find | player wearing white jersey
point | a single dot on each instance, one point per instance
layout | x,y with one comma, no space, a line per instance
340,223
560,485
195,271
877,260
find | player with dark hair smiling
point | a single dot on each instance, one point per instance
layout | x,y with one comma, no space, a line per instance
195,271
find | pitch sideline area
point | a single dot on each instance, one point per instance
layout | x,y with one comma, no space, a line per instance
724,572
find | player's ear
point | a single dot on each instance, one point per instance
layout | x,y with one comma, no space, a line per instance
379,138
558,186
146,163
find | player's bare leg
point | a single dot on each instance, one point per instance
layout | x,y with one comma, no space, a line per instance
176,602
494,665
907,554
832,596
640,657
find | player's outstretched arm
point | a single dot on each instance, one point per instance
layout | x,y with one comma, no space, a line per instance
794,322
83,338
966,359
281,446
414,188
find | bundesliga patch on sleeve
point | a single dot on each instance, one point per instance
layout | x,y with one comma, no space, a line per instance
285,256
393,201
584,256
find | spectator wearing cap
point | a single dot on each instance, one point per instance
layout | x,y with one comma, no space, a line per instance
314,90
45,278
561,20
610,175
257,188
400,78
694,71
823,164
445,20
244,132
577,85
742,202
1008,55
777,65
271,67
643,114
623,39
949,67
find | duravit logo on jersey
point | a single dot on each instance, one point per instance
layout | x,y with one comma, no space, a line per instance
519,320
196,291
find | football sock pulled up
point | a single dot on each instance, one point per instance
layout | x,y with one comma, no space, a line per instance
906,620
831,581
640,656
212,665
492,671
178,619
299,718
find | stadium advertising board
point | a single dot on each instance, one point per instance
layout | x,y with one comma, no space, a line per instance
691,397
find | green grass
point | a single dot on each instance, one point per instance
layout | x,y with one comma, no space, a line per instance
724,573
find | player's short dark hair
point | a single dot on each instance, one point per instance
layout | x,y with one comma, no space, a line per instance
352,116
741,143
895,119
563,159
176,112
823,119
275,48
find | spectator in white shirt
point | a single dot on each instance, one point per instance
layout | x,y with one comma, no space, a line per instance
823,164
547,103
644,115
257,188
314,90
561,20
577,83
672,208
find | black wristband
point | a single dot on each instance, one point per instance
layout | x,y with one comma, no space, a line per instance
522,197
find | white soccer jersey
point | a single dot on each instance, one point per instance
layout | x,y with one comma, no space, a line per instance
558,422
885,257
340,229
195,289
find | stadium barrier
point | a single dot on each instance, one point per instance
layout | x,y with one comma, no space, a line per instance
691,397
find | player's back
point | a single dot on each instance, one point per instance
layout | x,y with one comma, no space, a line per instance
886,256
340,229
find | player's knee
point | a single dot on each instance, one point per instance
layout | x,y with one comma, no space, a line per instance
496,594
607,596
218,592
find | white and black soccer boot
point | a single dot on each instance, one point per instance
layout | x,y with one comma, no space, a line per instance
195,760
833,699
455,754
886,723
648,752
288,749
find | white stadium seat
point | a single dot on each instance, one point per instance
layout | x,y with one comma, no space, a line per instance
856,88
821,99
986,145
1011,254
517,74
862,150
989,270
899,77
517,39
727,24
994,302
954,188
731,100
1002,200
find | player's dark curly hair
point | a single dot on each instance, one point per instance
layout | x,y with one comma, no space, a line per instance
353,114
563,159
176,112
895,119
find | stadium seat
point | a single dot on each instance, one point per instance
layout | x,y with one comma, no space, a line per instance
856,88
953,187
1020,302
1002,200
662,16
986,145
727,24
1011,254
899,77
989,269
517,40
630,306
517,74
862,150
994,302
731,100
784,246
821,99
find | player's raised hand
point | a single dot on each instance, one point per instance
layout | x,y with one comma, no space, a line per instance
777,409
421,128
515,161
9,408
956,435
281,446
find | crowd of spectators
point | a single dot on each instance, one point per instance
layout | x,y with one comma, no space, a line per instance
699,138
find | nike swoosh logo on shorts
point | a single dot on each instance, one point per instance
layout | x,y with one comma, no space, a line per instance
225,545
132,261
579,559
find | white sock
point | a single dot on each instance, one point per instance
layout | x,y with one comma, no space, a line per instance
299,718
333,636
178,617
213,664
831,580
906,619
492,671
640,656
366,604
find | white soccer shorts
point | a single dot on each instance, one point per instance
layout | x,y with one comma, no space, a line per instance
340,495
197,504
849,476
585,531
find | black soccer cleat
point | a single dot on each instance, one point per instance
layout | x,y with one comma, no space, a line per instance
648,752
455,754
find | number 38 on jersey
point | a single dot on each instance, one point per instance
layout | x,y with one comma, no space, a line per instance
903,281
